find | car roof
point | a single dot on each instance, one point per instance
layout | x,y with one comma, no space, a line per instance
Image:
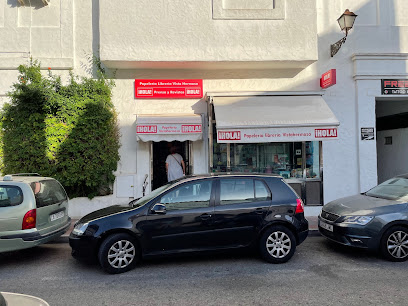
23,178
226,175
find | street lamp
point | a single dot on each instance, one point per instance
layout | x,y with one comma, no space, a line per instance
346,21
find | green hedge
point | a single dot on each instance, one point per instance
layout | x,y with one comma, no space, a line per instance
69,132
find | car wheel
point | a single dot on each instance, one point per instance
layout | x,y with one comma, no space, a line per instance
118,253
394,244
277,244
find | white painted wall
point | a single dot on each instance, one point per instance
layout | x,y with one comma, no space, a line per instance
207,31
392,159
273,51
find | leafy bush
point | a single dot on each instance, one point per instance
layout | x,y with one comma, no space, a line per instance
68,132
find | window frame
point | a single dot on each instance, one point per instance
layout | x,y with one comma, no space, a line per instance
253,178
39,202
21,191
157,199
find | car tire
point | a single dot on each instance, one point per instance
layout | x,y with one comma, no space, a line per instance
394,244
119,253
277,244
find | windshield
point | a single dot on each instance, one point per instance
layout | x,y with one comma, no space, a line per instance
392,189
153,194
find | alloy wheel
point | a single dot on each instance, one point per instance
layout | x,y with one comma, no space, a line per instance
278,244
397,244
121,254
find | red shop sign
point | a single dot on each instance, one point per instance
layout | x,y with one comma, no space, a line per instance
168,89
326,133
328,79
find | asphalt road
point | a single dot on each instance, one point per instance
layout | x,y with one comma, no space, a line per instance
320,273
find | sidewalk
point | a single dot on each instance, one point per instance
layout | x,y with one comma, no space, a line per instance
313,230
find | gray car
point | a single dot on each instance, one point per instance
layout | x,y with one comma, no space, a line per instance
33,210
375,220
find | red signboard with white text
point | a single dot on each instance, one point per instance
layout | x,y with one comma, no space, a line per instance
276,134
168,89
328,79
169,129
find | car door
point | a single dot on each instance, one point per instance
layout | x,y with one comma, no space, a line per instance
187,221
241,206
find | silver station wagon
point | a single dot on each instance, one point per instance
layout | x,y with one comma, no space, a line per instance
33,211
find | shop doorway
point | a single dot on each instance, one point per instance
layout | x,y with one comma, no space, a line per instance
160,151
392,138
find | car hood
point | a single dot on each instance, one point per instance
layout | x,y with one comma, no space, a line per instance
363,205
111,210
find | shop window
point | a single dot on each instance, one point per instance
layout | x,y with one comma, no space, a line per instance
298,162
312,159
284,159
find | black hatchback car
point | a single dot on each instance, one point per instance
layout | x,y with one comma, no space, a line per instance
199,213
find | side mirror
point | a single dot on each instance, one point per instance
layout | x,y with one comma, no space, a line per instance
159,209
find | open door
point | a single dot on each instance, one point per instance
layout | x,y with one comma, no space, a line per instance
160,152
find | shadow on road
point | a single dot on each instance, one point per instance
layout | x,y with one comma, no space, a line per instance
27,256
221,256
351,252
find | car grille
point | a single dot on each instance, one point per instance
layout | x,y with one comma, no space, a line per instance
329,216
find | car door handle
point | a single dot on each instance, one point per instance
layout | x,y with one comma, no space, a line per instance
259,211
205,216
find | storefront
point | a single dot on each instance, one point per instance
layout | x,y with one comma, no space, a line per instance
272,133
162,131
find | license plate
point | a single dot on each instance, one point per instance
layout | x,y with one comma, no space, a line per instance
326,226
57,216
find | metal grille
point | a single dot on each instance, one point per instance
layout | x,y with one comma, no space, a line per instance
329,216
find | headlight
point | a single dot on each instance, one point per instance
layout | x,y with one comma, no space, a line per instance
361,220
80,228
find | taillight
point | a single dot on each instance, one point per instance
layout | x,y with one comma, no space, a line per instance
299,206
29,219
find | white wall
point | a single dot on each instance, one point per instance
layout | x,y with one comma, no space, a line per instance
191,31
183,39
392,159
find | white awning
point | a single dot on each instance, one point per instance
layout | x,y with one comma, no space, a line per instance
169,127
252,119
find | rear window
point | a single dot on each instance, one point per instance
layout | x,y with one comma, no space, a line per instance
48,192
10,196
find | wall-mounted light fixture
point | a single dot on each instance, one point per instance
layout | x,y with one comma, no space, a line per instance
346,21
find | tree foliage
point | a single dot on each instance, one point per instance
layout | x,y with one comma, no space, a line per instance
69,132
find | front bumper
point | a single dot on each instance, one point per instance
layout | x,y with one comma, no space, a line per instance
29,240
350,234
83,247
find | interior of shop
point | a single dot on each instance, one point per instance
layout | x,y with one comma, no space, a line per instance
392,137
160,152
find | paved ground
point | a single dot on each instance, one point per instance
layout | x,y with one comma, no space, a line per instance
320,273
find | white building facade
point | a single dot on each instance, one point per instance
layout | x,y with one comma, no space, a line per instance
258,66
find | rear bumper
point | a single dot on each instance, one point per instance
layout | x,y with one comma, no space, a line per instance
28,240
302,228
302,236
350,235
